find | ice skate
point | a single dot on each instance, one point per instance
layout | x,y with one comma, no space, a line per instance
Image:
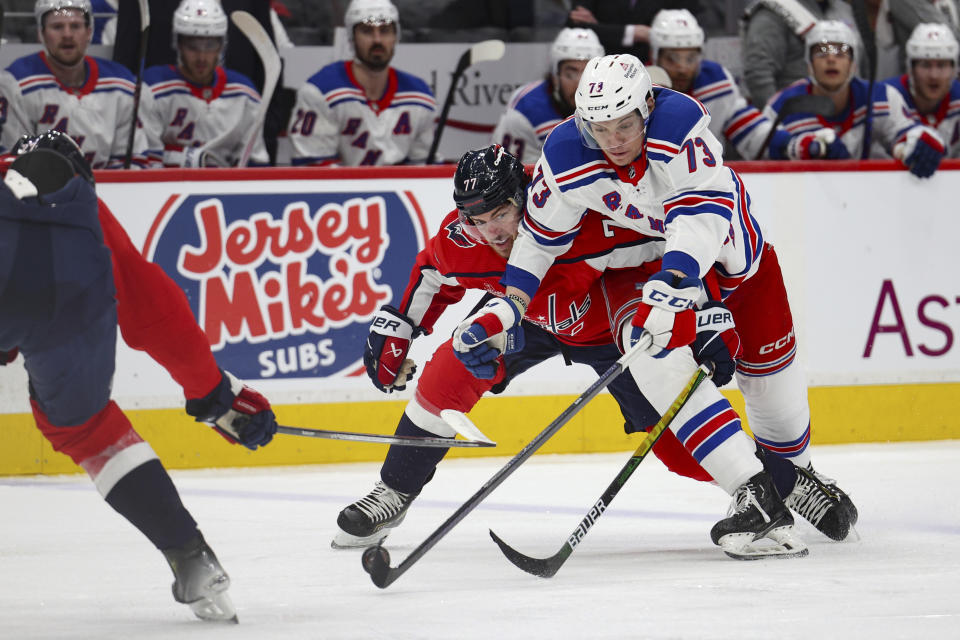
759,525
200,581
368,521
822,503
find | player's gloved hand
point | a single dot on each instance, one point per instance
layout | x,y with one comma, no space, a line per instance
481,339
7,357
717,344
236,411
200,157
667,312
385,355
822,143
921,151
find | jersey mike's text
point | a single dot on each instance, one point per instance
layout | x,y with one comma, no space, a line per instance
255,283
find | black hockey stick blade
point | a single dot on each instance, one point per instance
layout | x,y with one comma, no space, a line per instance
548,567
540,567
408,441
376,560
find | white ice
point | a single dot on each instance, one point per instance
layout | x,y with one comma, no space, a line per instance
71,568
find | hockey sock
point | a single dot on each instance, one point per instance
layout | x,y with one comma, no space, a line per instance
147,498
782,471
407,469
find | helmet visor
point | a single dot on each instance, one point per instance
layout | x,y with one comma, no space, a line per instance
495,227
611,135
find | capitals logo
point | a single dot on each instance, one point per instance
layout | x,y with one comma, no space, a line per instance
285,285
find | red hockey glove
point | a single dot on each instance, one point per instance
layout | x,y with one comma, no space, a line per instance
385,355
236,411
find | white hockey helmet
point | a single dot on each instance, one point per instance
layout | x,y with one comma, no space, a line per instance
373,12
574,44
932,41
204,18
43,7
674,29
827,31
611,87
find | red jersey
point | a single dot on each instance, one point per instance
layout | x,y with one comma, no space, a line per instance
568,303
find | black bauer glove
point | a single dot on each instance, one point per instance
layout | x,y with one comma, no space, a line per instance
237,412
717,344
385,354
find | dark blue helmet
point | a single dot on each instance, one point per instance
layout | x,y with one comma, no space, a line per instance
486,178
59,143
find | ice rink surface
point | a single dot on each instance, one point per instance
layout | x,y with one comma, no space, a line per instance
71,568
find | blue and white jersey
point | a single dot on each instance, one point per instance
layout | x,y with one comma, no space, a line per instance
732,118
946,119
333,122
98,115
890,119
176,113
530,116
678,189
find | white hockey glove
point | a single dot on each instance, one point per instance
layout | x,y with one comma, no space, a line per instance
191,157
495,330
666,312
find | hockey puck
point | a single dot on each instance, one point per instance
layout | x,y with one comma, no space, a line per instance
369,557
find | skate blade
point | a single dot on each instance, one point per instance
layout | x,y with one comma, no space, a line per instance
344,540
779,543
217,608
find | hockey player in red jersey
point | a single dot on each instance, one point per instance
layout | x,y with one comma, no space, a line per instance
69,275
570,318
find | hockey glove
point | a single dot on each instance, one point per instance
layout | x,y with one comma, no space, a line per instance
921,151
6,357
481,339
236,411
717,344
667,312
822,143
385,355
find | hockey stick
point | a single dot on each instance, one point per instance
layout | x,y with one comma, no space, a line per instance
270,59
376,560
806,103
870,45
455,419
547,567
138,87
480,52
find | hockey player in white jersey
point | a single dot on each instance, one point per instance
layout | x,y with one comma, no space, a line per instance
644,156
864,124
930,87
62,88
199,113
536,108
676,45
363,111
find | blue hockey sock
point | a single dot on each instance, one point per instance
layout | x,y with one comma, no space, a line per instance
407,469
147,498
782,471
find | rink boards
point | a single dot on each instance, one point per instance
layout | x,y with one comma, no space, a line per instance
285,267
